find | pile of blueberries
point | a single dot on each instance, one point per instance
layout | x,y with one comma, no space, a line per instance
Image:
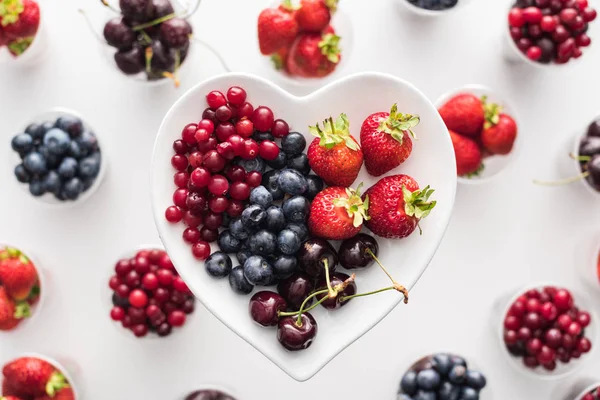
272,227
441,377
436,5
58,157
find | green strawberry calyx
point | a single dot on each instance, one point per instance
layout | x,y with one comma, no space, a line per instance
356,208
277,61
332,5
330,47
477,172
334,133
288,5
19,46
417,204
492,113
10,11
398,123
22,310
56,383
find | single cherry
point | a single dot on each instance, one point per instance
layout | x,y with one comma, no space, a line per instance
314,254
294,336
264,307
337,279
354,252
296,289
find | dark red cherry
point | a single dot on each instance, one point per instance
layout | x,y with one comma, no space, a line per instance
337,279
312,256
264,307
296,289
353,252
295,336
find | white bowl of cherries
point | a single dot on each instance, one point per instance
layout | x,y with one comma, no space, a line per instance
227,179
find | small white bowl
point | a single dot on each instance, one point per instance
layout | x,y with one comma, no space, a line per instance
585,391
562,370
37,50
48,199
358,96
495,164
69,374
433,13
577,169
38,307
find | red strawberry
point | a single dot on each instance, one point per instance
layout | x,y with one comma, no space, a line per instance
17,274
337,213
8,390
11,314
385,140
396,205
314,55
463,114
499,131
33,377
19,18
468,155
277,28
315,15
65,393
3,39
335,155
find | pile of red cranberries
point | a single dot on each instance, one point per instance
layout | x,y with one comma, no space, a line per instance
551,30
213,161
592,395
544,326
149,295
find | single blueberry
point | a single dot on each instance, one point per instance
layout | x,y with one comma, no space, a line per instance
36,188
408,383
428,379
67,168
300,229
120,301
52,160
424,395
448,391
89,167
299,163
296,209
242,256
269,181
70,124
75,150
314,186
288,242
279,162
238,281
238,230
229,243
456,360
256,164
275,221
292,182
36,131
22,174
253,216
57,141
262,243
218,264
293,143
260,136
261,196
88,183
457,374
52,182
73,188
35,163
258,271
441,363
468,393
284,266
476,380
87,142
22,143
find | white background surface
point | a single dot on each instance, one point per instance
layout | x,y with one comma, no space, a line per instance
503,235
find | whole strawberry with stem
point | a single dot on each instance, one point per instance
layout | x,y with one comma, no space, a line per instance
463,114
314,55
396,205
31,376
17,274
338,213
315,15
499,130
11,313
277,28
334,154
467,154
19,18
386,140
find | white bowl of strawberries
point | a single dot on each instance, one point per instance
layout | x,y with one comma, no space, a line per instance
363,144
483,127
22,38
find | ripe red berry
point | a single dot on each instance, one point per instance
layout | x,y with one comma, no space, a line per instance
201,250
209,235
176,318
568,15
244,128
215,99
218,185
180,147
219,204
207,124
191,220
213,161
583,40
138,298
548,23
235,209
165,277
589,14
251,149
254,178
532,15
201,135
534,53
235,173
181,179
117,314
173,214
236,95
224,113
225,149
150,281
114,282
188,132
179,162
200,177
280,128
239,191
263,118
268,150
179,285
515,17
584,318
563,300
245,111
191,235
165,262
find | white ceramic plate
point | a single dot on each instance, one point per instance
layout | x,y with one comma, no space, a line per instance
358,96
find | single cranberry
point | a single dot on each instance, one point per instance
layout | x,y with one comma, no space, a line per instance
244,128
180,147
191,235
188,132
245,111
224,130
178,297
560,34
556,5
114,282
123,291
251,149
138,298
235,173
213,161
549,311
584,318
210,144
280,128
575,353
152,310
563,322
216,99
294,336
531,362
550,366
195,159
516,33
196,203
533,305
263,118
239,191
546,355
180,285
226,150
218,204
218,185
181,179
207,125
155,255
553,338
142,265
583,40
234,111
532,321
176,318
223,113
209,115
236,95
202,135
523,44
534,346
180,198
201,250
544,297
548,23
132,279
268,150
524,333
117,313
589,14
164,330
577,52
563,355
161,295
150,281
140,330
568,342
237,142
213,220
542,3
562,298
532,15
188,306
516,18
165,262
235,209
578,24
179,162
123,267
584,345
126,322
574,329
510,337
165,277
254,179
534,53
568,15
200,177
264,307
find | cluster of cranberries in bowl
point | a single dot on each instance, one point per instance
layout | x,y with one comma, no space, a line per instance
593,394
149,294
551,30
545,326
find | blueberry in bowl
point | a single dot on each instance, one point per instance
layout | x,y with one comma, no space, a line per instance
57,157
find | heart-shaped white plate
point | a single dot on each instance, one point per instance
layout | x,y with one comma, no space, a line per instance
432,163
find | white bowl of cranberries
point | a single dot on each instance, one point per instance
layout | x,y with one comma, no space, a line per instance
548,331
273,207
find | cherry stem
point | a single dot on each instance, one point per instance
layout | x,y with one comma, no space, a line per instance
302,310
147,37
91,27
107,4
299,319
564,181
173,75
580,158
154,22
396,286
346,298
212,50
148,54
332,293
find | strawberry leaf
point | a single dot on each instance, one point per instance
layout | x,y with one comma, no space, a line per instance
288,5
332,5
22,310
334,133
477,172
417,203
277,61
398,123
10,11
492,113
56,383
329,46
356,208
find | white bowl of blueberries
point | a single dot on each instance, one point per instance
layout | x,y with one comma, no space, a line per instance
432,8
57,158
